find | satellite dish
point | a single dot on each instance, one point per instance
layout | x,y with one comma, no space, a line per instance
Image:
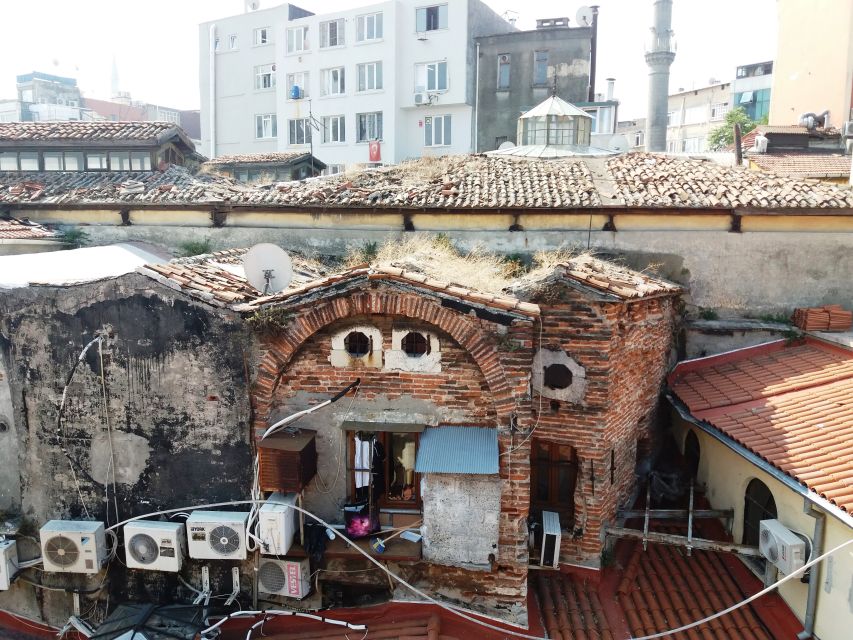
584,17
268,268
506,145
618,143
252,5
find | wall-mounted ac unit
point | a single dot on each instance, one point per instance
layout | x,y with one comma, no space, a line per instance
422,98
551,537
155,546
8,562
277,524
217,535
73,546
781,546
289,578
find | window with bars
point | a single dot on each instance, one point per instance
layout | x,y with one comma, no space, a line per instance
332,33
553,477
369,76
334,129
299,131
368,27
437,131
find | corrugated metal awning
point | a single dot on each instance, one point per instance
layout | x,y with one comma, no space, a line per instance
396,427
458,450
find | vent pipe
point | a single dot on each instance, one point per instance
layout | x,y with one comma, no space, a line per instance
659,56
593,50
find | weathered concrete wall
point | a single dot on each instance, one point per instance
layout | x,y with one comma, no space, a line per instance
461,519
176,405
10,486
708,337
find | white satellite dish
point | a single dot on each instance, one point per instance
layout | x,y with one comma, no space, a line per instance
584,17
268,268
252,5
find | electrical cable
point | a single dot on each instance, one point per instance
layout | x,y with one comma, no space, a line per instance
282,612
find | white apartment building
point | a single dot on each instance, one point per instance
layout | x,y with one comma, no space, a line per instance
692,114
398,74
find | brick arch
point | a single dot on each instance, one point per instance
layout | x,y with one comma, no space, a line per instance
466,332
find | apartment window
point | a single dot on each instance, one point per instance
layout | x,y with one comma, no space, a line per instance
431,18
382,468
299,131
265,76
59,161
719,111
297,39
332,33
673,119
540,67
431,76
300,80
334,169
368,27
266,125
696,115
638,139
369,126
333,82
263,35
96,161
437,131
140,161
369,76
503,71
553,476
232,42
593,113
334,129
120,161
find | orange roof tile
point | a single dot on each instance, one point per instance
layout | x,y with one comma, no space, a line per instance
791,404
15,229
803,165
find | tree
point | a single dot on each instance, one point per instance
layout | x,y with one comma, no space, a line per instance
724,135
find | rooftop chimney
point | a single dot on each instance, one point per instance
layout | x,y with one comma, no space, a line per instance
659,57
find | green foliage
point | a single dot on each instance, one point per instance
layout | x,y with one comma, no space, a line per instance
724,135
708,314
517,264
366,253
269,320
443,240
194,248
73,237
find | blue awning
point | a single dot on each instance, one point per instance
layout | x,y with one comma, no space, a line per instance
458,450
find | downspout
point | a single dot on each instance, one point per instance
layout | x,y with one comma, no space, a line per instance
477,102
817,551
212,88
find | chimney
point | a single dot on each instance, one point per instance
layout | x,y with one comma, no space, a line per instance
611,83
659,57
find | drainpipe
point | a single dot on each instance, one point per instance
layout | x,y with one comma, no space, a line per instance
817,551
212,88
593,51
477,102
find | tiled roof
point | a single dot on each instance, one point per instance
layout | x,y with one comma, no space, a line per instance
791,130
258,158
616,279
803,165
791,404
647,180
96,130
570,607
14,229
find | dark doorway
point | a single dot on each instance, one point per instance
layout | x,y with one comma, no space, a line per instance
758,505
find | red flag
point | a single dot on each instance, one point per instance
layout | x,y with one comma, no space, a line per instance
375,151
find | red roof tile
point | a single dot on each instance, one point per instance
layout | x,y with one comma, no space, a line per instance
803,165
84,131
14,229
791,404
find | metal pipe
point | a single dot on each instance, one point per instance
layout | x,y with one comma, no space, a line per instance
212,88
814,574
593,46
477,102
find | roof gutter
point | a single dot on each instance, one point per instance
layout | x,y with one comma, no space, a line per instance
819,502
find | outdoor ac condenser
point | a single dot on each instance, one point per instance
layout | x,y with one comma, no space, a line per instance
551,536
277,524
781,546
289,578
155,546
217,535
73,546
8,562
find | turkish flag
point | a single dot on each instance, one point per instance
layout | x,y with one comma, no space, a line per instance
375,151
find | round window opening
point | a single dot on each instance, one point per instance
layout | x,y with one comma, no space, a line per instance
557,376
357,344
415,345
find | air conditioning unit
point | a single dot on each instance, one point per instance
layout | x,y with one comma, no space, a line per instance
156,546
551,537
73,546
289,578
8,562
781,546
421,98
277,524
217,535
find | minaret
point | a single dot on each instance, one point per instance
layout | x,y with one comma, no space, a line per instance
659,56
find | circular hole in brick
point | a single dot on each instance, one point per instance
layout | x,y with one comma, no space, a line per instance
415,345
557,376
357,344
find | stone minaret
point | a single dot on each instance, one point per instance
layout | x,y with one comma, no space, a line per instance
659,56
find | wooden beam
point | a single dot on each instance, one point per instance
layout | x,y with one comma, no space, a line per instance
682,541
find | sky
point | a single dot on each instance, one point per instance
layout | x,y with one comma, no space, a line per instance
155,42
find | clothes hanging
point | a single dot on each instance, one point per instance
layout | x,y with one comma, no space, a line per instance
363,460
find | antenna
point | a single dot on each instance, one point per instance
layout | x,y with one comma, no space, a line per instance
584,17
268,268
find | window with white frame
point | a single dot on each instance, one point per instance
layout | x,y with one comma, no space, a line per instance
504,67
333,82
266,125
368,27
265,76
263,35
297,39
673,118
696,115
431,18
332,33
368,126
369,76
719,111
297,79
431,76
334,129
437,131
593,125
299,131
333,169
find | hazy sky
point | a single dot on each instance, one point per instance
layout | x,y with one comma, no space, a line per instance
155,42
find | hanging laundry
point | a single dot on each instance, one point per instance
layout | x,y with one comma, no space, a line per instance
363,460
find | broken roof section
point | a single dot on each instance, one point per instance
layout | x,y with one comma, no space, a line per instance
472,182
788,403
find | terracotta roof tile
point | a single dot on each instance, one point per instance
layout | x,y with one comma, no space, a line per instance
257,158
790,404
15,229
97,130
805,165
